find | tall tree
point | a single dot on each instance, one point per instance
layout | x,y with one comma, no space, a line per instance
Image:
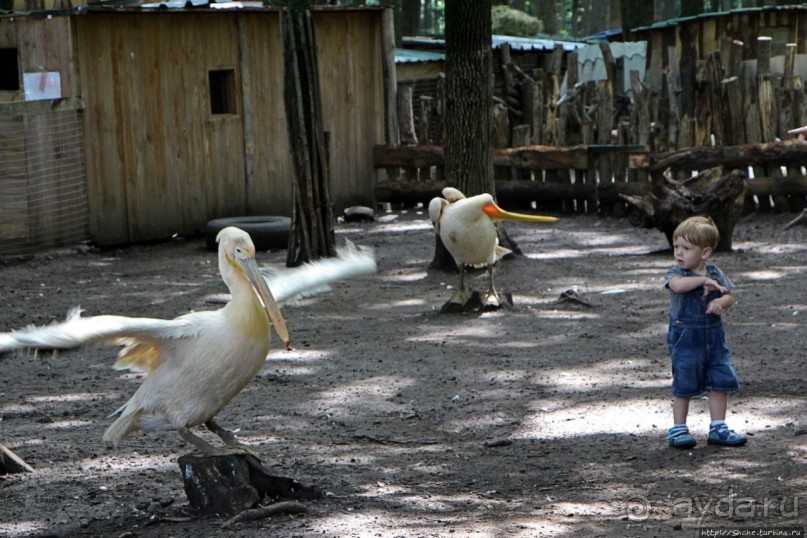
469,96
409,21
547,11
467,148
690,8
635,14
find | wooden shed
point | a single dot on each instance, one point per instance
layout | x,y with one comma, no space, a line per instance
173,117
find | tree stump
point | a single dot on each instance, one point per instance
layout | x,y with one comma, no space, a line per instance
710,193
227,484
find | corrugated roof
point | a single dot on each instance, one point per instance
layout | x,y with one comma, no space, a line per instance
535,43
516,43
675,22
411,56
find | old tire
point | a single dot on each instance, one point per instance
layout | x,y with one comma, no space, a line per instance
267,232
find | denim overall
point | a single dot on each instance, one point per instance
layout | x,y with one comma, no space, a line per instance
697,342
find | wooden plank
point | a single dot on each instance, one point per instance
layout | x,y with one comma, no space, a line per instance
350,61
271,191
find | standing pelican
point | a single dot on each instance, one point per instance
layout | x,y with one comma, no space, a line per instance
467,228
196,363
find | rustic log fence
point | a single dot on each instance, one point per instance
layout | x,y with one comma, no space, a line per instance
577,152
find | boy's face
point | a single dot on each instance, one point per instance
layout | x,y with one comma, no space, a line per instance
690,256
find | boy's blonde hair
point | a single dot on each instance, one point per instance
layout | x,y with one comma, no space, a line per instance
700,231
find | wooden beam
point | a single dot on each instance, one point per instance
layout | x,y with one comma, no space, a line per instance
703,157
532,157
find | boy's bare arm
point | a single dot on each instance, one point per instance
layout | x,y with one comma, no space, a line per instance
720,305
684,284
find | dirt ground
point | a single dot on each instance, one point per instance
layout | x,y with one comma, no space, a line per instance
545,420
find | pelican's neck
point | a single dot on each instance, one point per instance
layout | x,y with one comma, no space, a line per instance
245,308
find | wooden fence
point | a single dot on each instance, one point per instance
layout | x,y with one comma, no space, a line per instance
578,151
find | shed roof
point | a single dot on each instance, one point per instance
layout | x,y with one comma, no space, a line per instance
412,56
675,22
516,43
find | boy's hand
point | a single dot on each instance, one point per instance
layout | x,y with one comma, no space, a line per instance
715,307
710,285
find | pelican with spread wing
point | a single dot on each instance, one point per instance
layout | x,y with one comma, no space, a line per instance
195,364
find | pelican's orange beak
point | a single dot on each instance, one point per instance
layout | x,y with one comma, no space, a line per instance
250,269
495,212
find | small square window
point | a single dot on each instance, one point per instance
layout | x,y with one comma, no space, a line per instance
9,70
222,92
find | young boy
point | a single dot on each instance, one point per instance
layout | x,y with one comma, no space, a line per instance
699,294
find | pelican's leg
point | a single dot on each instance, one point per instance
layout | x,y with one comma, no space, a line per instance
229,439
492,298
462,295
225,434
462,277
203,446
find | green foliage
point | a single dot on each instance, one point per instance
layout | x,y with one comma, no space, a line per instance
508,21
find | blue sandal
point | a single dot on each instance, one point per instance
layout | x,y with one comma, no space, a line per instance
679,437
723,436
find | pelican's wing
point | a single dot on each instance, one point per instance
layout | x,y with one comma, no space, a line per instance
452,195
76,331
314,277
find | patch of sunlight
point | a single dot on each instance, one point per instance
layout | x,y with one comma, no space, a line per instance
68,424
367,393
560,314
289,371
396,227
75,397
625,416
298,355
612,373
762,275
771,248
403,277
584,509
474,331
28,442
16,409
557,254
22,528
132,461
405,302
482,421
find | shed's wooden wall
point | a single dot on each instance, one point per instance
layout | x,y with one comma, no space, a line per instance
160,163
350,65
44,44
267,154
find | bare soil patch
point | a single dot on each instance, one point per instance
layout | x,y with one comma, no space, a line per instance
545,420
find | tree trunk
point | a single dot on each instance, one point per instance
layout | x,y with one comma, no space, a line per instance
410,19
636,13
690,8
469,99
